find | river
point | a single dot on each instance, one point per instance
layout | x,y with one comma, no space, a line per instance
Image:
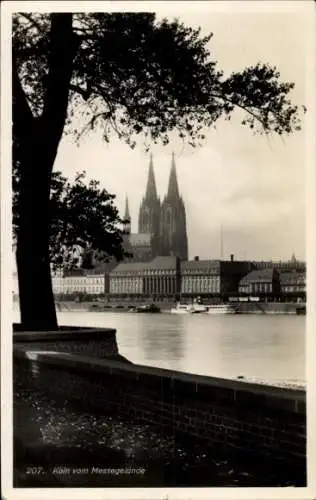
269,348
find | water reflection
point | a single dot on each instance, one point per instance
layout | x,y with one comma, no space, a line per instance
164,344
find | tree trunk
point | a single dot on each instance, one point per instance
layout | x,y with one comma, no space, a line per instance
33,264
35,286
35,144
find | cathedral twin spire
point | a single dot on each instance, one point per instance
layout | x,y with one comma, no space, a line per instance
127,217
173,188
165,221
151,190
127,214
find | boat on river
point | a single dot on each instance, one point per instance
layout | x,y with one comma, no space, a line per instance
180,309
196,308
189,308
221,309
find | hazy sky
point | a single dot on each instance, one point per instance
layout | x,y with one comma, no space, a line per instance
253,186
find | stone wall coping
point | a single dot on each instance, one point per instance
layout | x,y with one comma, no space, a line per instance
84,363
64,333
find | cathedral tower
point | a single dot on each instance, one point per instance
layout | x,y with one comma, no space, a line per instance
127,218
173,232
149,212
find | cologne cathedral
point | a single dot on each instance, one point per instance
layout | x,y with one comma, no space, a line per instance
161,224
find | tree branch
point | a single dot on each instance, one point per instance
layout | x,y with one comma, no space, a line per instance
85,94
230,101
32,21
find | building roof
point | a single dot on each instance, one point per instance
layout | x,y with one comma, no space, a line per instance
103,267
95,275
140,239
123,267
259,275
290,277
162,263
200,265
290,264
74,273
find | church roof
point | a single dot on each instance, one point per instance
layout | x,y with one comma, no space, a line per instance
140,239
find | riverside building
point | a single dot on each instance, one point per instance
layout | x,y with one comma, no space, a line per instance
79,283
211,278
157,280
291,265
275,283
170,279
261,282
293,285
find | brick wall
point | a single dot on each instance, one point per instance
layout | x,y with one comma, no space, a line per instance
95,342
260,421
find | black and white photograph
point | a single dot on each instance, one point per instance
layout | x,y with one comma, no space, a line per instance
156,248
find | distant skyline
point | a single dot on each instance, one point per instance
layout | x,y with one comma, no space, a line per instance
253,186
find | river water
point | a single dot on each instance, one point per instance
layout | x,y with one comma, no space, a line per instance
263,347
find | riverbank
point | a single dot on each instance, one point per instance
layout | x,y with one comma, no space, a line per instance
64,430
241,307
93,306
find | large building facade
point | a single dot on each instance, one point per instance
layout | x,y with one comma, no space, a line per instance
211,278
79,284
161,225
260,282
169,279
157,280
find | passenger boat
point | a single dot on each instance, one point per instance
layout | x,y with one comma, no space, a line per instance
180,309
221,309
188,308
197,308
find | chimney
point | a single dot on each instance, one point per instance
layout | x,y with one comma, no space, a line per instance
196,258
231,257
